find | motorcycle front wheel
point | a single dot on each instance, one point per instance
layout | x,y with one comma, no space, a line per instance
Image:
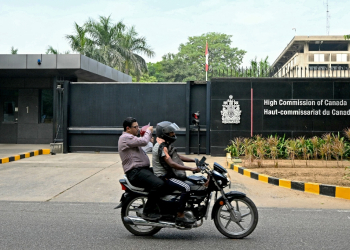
135,208
247,220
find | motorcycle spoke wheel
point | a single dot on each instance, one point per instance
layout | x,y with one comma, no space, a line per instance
135,208
247,218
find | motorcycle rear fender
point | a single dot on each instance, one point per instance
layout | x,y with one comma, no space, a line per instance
124,199
230,196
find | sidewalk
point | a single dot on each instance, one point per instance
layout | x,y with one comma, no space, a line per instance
94,177
7,150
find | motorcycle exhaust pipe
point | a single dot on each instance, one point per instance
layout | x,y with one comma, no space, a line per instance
131,220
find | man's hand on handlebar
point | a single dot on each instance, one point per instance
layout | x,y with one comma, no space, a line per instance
196,170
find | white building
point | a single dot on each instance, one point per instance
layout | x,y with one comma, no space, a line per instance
314,56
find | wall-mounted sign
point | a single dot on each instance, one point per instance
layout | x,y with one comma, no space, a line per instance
312,107
231,112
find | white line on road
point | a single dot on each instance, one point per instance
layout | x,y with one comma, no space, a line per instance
344,211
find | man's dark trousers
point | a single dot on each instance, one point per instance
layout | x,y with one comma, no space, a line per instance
144,177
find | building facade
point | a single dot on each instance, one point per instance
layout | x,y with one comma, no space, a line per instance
306,56
30,88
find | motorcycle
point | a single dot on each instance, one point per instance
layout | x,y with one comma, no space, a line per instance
234,214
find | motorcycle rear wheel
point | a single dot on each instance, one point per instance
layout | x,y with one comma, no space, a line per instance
134,208
246,210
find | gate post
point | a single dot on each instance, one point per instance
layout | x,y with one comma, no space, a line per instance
188,107
65,115
207,133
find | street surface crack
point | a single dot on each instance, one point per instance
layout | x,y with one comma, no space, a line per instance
80,182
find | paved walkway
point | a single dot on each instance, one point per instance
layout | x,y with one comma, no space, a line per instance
7,150
94,177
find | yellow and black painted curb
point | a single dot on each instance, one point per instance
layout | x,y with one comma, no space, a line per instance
24,155
315,188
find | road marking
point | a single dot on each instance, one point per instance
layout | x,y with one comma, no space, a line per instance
344,211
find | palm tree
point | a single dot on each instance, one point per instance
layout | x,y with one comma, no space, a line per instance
51,50
107,43
79,42
106,39
133,46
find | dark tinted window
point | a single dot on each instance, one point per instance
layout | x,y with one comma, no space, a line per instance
326,46
46,105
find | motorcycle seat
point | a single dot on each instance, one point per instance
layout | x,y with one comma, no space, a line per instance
138,189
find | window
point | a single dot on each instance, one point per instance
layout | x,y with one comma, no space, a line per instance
9,112
318,66
328,46
8,106
339,67
319,58
46,106
341,57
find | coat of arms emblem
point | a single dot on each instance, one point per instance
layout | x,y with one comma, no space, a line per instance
231,112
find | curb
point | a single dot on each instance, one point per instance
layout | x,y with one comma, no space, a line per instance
24,155
314,188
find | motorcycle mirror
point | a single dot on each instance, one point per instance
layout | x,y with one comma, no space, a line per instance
202,161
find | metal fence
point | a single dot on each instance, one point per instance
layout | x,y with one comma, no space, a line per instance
300,72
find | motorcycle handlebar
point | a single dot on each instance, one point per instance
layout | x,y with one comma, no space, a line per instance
201,164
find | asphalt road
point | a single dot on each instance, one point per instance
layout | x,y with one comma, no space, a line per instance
67,201
64,225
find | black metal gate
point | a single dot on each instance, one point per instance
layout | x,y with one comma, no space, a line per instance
94,112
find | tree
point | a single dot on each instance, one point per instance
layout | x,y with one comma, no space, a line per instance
51,50
14,51
145,78
347,37
105,39
156,70
189,63
175,69
112,44
132,46
79,42
258,69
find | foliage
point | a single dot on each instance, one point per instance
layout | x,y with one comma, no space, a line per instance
156,70
292,149
14,51
144,78
51,50
189,63
347,37
132,44
273,143
328,147
347,173
260,149
258,69
112,44
236,147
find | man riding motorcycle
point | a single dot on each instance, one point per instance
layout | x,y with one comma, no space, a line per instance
136,165
169,166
